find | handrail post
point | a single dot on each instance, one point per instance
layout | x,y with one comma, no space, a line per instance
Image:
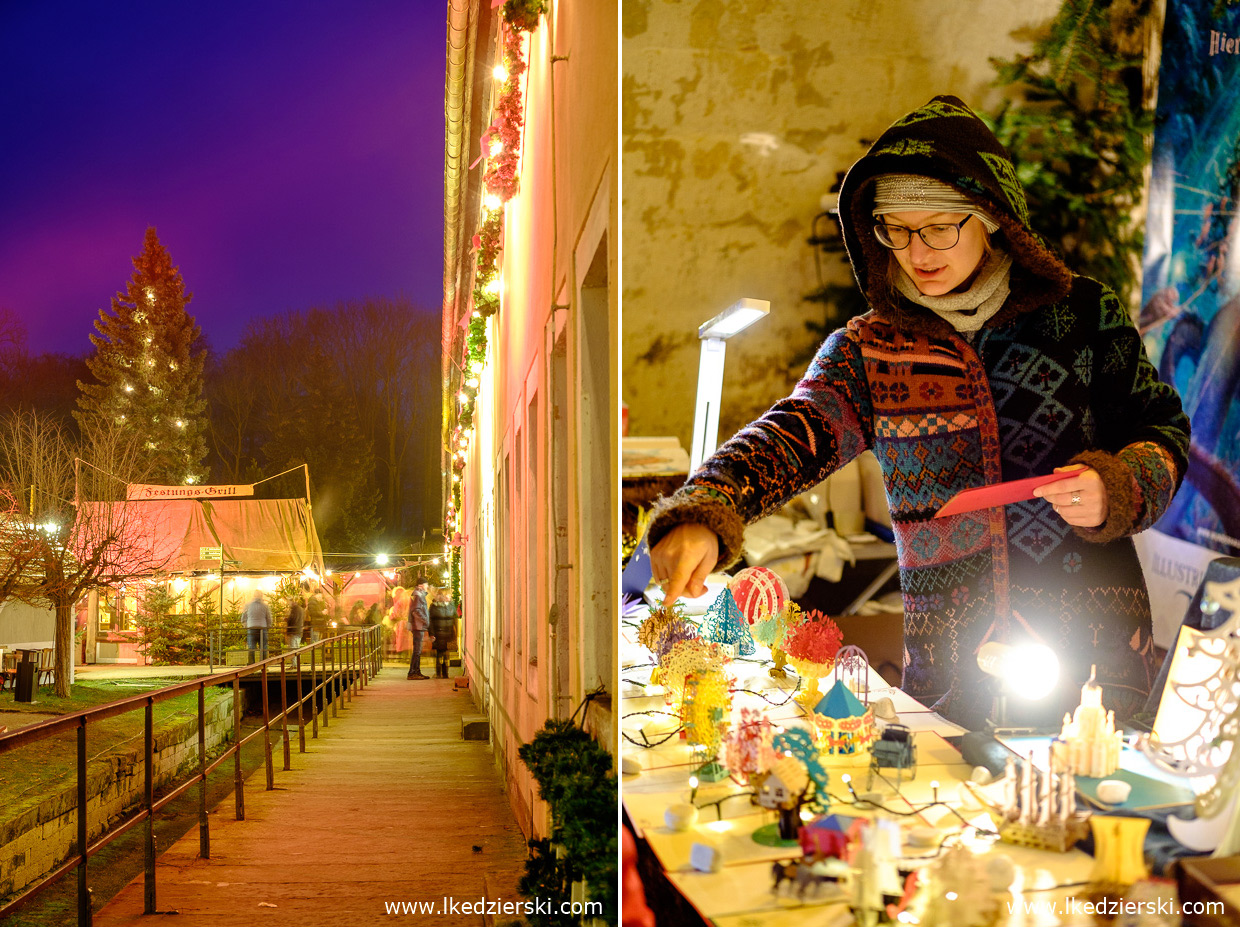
238,781
335,679
148,881
204,829
355,650
350,681
288,760
271,774
314,692
301,710
84,906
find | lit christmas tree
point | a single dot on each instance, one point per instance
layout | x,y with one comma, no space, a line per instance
147,368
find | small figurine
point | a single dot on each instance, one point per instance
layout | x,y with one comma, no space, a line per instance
894,749
784,788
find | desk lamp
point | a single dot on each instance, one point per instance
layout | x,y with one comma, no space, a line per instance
1027,671
714,334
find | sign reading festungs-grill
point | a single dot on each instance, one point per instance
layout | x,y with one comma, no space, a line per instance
146,491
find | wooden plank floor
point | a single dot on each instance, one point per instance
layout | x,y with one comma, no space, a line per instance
387,805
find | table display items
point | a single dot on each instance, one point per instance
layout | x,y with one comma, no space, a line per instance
684,658
878,891
1038,807
811,648
758,592
724,624
772,629
747,746
795,780
894,749
1118,860
1198,720
843,725
959,889
1089,744
704,713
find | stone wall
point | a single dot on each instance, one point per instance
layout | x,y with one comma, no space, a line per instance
36,841
737,117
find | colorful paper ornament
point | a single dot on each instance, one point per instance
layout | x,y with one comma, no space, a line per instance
724,624
758,592
747,745
844,725
693,656
800,743
811,648
773,632
671,635
703,712
652,628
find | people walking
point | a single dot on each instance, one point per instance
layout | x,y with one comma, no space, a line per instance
443,630
256,619
316,616
296,622
397,624
419,622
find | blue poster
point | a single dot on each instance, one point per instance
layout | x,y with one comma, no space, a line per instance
1190,316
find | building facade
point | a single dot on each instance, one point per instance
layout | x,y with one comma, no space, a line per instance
530,336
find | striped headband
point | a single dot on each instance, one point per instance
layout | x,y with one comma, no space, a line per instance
913,193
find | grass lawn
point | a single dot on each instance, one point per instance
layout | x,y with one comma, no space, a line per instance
27,773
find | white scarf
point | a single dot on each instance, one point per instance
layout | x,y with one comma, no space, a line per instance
968,311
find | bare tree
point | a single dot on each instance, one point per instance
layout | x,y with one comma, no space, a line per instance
72,530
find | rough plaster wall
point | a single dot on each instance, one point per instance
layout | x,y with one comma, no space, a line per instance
737,115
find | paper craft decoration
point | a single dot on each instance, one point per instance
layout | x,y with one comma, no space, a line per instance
706,705
724,624
747,745
985,497
1118,843
811,648
687,658
759,593
1039,808
1089,743
845,726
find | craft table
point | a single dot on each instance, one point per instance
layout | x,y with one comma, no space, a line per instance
740,893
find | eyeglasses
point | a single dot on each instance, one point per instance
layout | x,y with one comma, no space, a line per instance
938,237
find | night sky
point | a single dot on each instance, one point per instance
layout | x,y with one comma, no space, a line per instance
290,155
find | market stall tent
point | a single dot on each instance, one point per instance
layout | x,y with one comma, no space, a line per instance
255,535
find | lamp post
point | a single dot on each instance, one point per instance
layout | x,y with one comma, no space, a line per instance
714,334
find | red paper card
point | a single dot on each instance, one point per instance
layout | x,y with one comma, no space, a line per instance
984,497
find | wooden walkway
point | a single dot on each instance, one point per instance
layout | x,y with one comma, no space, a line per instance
387,805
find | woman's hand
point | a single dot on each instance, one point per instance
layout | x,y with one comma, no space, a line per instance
683,559
1079,500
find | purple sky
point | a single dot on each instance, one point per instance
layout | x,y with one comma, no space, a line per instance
290,154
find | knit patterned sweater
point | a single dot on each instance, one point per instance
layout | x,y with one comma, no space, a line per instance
1057,376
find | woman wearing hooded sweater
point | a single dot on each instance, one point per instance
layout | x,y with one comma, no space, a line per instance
982,359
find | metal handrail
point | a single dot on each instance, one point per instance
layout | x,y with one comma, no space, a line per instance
362,659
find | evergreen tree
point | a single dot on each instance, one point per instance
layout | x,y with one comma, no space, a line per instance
1077,124
147,368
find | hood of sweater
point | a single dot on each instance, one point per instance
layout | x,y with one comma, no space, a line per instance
947,141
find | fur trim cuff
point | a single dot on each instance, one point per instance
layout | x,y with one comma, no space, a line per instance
1121,510
681,507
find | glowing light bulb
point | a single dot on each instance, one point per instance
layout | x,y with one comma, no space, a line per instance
499,72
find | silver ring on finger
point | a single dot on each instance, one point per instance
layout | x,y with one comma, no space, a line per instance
1076,498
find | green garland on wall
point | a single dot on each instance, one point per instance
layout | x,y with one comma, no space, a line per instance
575,779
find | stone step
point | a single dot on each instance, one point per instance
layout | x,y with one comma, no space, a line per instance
475,727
